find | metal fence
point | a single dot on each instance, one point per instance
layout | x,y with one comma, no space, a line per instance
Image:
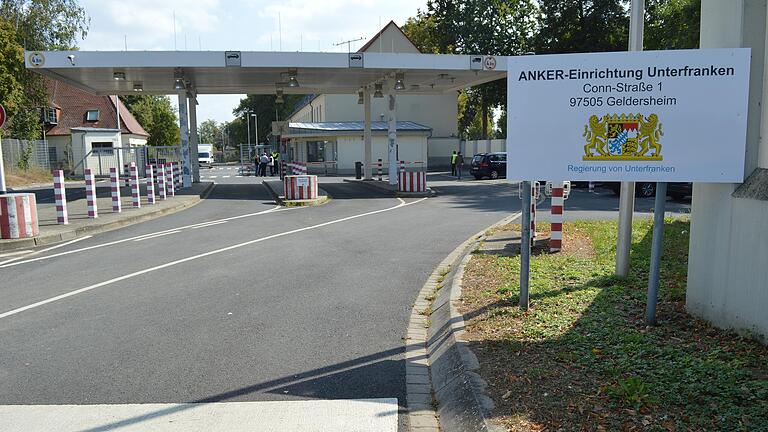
100,160
19,155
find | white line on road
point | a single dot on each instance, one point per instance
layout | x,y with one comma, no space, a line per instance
46,250
157,235
4,265
209,224
202,255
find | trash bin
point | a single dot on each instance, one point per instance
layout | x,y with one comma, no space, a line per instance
358,170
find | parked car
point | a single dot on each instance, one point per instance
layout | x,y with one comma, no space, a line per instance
490,165
677,191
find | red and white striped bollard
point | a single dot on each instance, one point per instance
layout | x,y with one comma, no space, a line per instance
556,217
150,173
161,181
380,170
114,184
90,194
60,193
169,182
18,216
135,193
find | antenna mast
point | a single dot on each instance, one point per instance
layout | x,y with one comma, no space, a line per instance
349,43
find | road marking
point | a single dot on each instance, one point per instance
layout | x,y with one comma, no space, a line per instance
47,249
374,415
202,255
4,265
157,235
21,252
209,224
226,176
212,176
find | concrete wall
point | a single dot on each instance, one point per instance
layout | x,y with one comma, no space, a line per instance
439,151
727,276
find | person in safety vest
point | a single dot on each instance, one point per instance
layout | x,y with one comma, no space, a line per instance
459,165
276,166
453,163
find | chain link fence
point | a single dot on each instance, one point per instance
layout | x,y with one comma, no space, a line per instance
23,155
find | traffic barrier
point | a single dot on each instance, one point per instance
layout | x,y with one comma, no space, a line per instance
283,172
150,184
18,216
161,181
412,181
60,194
178,183
170,186
534,197
380,170
114,184
556,217
300,187
135,194
402,166
298,168
90,194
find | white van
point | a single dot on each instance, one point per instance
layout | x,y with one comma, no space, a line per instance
205,155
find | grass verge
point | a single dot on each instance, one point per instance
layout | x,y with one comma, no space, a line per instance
19,178
582,359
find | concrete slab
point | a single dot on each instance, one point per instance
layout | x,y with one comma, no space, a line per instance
364,415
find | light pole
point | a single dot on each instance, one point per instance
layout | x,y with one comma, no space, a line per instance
255,126
248,125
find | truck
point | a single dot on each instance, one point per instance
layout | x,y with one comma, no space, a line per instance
205,155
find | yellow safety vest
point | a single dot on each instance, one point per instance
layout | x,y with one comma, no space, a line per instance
453,158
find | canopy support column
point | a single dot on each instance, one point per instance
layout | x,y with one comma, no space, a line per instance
392,134
193,138
184,141
367,161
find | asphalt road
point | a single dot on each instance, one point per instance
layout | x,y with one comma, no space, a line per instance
236,299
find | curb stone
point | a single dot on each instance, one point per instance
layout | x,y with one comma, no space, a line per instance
95,229
458,392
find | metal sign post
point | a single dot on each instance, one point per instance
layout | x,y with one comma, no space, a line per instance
627,191
656,250
525,244
2,166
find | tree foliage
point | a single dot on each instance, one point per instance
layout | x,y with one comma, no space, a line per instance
513,27
266,111
210,133
157,116
34,25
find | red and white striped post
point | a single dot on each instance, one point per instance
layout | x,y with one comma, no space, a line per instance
114,184
59,192
176,176
169,182
402,166
380,171
135,193
18,216
556,217
90,194
412,181
150,170
161,181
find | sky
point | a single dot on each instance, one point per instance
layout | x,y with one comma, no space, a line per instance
245,25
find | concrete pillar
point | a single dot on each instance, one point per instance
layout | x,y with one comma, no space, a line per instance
729,234
186,159
392,134
368,172
193,139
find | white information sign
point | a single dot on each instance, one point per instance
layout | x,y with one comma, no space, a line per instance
302,181
628,116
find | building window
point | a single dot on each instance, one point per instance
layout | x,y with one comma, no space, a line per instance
92,115
103,148
315,151
49,116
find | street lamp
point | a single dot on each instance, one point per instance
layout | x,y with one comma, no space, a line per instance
256,127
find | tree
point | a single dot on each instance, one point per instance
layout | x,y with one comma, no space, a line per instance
569,26
210,133
672,24
157,116
12,59
266,111
36,25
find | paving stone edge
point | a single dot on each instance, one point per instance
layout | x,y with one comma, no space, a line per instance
457,392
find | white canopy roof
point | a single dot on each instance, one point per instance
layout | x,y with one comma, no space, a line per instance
207,72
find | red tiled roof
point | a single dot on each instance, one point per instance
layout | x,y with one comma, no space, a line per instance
73,104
